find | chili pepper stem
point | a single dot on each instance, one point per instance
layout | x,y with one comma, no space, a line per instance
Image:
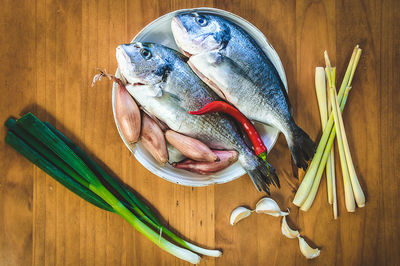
263,156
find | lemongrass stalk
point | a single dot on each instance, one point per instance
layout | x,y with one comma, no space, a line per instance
330,167
348,190
353,70
333,70
343,94
320,88
324,158
308,179
306,205
334,195
330,77
327,60
357,190
306,184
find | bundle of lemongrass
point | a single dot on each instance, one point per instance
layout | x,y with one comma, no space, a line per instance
63,160
332,124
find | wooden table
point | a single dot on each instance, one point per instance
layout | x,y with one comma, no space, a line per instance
49,51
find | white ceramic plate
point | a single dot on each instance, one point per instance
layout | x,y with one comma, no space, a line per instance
159,31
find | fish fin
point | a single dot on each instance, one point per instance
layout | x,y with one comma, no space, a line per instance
301,147
155,91
261,173
214,57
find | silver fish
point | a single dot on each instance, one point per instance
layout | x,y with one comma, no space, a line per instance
230,61
166,87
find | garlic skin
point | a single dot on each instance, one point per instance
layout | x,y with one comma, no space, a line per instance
270,207
306,250
287,231
239,214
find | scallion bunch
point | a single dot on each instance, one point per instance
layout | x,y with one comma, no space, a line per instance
63,160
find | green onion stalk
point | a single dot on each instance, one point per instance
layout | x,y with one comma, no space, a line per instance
308,188
137,205
50,150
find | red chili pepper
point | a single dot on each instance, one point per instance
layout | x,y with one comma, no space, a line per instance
220,106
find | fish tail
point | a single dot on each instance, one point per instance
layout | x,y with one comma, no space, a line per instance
301,147
261,172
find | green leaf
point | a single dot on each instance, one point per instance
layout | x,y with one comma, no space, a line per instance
124,192
44,151
42,133
28,152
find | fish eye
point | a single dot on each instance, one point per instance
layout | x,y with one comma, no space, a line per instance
146,54
202,21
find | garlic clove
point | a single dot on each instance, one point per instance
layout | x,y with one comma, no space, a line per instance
239,214
306,250
270,207
287,231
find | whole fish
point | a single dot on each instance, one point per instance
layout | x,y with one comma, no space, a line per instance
235,67
165,86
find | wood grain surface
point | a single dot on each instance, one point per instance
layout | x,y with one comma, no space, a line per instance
49,50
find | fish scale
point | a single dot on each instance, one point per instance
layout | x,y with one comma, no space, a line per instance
168,89
232,63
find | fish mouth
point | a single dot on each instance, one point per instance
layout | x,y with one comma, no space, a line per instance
122,56
125,66
177,30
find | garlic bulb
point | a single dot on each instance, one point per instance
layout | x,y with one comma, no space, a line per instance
306,250
287,231
269,206
239,214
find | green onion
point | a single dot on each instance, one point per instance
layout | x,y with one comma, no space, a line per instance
142,210
48,148
40,148
33,156
39,130
115,184
51,156
121,210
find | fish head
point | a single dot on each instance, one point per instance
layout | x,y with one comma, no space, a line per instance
143,63
198,32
